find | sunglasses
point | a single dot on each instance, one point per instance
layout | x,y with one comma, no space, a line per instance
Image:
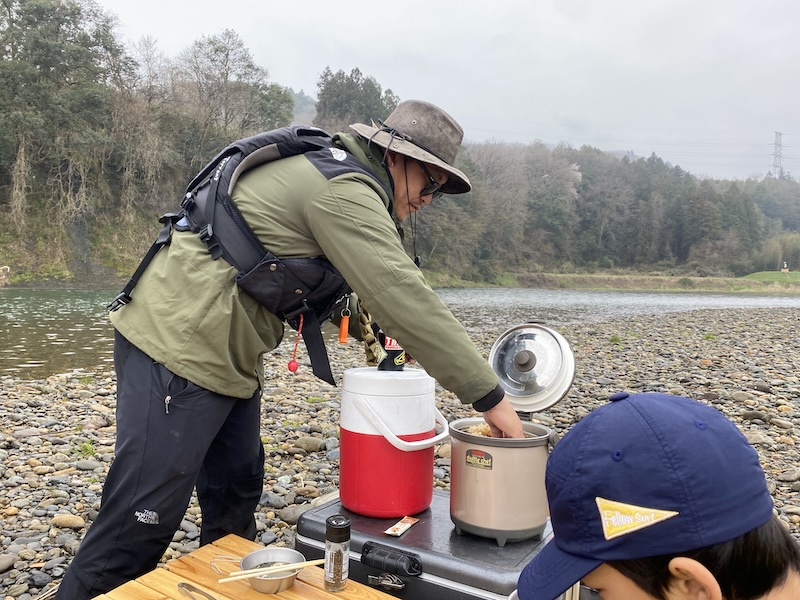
432,188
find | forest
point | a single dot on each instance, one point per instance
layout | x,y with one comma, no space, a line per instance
97,140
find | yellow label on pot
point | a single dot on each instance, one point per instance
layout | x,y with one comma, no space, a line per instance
479,459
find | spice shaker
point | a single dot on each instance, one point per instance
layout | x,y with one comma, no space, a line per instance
337,552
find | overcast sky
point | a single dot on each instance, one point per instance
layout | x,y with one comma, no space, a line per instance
704,84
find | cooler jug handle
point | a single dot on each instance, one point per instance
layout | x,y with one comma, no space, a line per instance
395,441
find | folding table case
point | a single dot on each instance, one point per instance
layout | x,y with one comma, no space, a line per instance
454,567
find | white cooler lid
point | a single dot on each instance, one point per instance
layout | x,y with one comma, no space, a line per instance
371,381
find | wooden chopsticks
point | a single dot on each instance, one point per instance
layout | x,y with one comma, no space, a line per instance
236,575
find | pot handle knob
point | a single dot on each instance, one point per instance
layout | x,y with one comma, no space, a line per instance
395,441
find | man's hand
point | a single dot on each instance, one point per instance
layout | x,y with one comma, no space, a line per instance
503,420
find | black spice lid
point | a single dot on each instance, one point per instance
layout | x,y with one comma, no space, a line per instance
337,529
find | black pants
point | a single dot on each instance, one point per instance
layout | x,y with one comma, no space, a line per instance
171,436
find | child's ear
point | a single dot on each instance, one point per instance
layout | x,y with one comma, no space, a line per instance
692,581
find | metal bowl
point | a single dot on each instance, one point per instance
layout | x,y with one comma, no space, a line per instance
272,584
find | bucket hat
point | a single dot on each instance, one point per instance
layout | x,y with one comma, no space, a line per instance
646,475
423,132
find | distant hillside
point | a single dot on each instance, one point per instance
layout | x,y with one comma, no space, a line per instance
305,108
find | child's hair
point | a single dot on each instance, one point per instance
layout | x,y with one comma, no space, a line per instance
746,567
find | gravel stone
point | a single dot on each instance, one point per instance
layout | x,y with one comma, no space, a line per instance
58,437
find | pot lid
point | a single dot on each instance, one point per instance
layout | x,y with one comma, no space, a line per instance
535,366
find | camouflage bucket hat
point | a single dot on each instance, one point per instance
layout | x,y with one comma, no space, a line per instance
424,132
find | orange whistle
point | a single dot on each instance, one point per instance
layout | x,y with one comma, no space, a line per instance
344,326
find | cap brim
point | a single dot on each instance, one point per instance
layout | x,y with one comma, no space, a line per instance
457,182
552,572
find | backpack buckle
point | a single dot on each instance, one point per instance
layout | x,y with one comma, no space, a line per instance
206,233
121,300
188,202
207,236
169,217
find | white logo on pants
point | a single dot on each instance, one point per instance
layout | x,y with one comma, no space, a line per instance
148,517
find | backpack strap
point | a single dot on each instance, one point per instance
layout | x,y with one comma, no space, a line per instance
214,185
124,297
214,221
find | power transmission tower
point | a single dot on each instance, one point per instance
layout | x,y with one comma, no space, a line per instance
777,157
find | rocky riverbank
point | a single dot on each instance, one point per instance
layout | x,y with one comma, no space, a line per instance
57,435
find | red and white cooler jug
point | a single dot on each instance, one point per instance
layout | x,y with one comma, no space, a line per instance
387,434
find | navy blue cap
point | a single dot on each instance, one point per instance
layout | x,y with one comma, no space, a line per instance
645,475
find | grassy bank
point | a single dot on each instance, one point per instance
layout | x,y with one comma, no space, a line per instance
767,282
660,283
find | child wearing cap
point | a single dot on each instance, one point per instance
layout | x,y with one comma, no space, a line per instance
654,496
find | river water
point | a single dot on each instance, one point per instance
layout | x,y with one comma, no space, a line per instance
43,332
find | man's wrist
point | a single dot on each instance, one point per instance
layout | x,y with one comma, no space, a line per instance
490,400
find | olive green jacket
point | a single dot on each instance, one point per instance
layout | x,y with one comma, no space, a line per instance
188,313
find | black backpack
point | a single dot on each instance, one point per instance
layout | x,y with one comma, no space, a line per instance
296,289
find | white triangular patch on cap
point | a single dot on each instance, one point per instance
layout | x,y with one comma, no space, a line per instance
619,519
